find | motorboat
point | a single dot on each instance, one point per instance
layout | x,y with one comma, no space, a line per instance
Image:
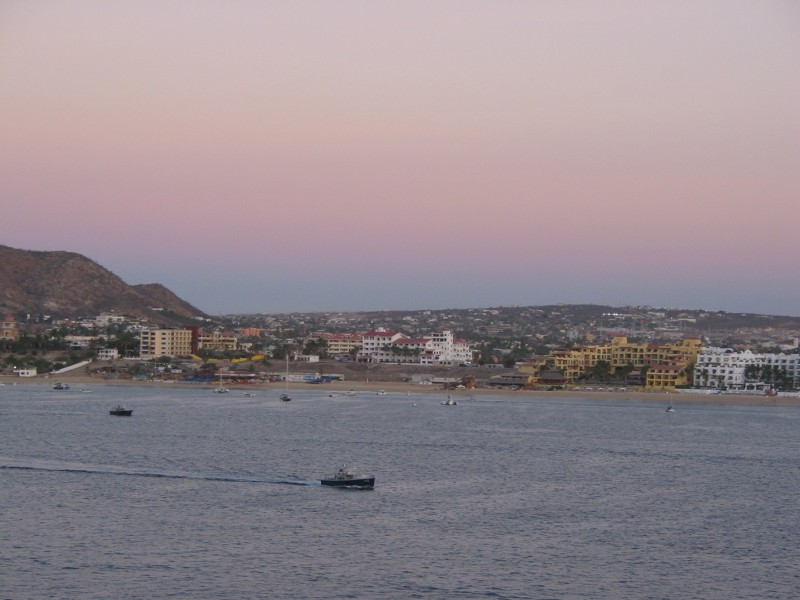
61,386
348,477
121,411
449,402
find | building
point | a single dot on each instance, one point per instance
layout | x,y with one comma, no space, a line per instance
165,342
217,340
8,329
669,363
107,354
341,343
374,342
439,348
723,368
251,331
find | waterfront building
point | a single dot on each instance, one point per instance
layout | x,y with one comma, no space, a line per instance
669,363
725,369
439,348
217,340
107,354
373,343
165,342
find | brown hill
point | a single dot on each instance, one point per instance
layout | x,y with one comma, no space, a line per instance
66,284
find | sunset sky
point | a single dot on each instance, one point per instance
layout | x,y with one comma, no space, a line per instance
278,156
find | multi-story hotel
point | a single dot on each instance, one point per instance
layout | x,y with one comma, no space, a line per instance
667,364
440,348
374,342
723,368
165,342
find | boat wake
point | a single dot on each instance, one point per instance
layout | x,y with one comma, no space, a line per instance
68,467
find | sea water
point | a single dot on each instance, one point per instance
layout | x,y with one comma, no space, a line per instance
204,495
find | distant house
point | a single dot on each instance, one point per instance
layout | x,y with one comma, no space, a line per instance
8,329
309,358
107,354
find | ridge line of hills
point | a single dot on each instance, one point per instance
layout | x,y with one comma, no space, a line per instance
67,284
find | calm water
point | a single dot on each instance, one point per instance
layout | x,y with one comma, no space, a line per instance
202,495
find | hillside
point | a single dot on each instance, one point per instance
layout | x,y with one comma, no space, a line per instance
69,284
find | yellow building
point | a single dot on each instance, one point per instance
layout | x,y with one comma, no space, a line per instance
666,377
165,342
8,329
667,361
341,343
217,340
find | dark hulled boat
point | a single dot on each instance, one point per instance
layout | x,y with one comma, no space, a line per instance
121,411
348,478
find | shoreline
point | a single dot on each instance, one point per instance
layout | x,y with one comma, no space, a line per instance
373,387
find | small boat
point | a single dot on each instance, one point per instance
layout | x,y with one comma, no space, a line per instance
61,386
285,397
670,409
121,411
381,393
449,402
221,389
348,477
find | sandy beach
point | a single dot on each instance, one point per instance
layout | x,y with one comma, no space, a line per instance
373,387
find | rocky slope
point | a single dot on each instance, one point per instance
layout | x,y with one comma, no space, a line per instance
65,284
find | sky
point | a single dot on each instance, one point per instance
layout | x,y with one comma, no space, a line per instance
260,156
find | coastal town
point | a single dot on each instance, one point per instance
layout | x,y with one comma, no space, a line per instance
569,347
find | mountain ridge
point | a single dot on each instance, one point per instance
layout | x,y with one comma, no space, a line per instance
68,284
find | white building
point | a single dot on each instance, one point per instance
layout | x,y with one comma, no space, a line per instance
28,372
439,348
373,343
107,354
724,368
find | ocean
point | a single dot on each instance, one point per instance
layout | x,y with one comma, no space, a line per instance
204,495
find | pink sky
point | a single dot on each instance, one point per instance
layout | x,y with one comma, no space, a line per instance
260,156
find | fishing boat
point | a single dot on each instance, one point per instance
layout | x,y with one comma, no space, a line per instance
348,477
121,411
61,386
285,397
